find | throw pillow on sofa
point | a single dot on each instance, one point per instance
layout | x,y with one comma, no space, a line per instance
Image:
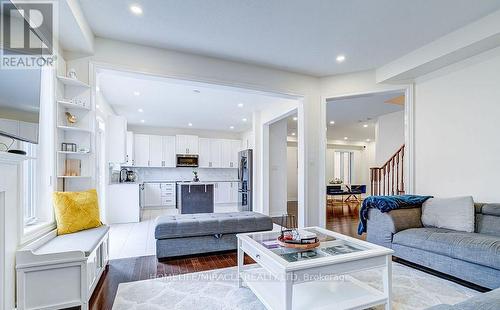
455,213
76,211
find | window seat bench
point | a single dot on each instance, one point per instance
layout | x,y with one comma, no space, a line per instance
55,272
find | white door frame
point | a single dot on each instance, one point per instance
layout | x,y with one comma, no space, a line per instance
301,186
94,66
409,111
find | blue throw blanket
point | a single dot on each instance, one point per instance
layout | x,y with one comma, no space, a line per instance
386,204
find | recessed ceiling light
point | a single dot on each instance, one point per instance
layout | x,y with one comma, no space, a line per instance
97,106
340,58
345,138
231,127
140,110
136,93
240,105
135,9
332,122
190,124
293,133
365,125
368,140
97,88
243,119
295,118
142,121
196,91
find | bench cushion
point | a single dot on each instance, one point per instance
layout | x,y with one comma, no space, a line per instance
85,241
204,224
471,247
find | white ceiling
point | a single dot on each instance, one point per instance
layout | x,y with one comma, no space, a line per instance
351,114
175,104
296,35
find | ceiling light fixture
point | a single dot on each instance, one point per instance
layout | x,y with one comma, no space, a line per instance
136,93
231,127
240,105
190,124
243,119
368,140
135,9
97,88
293,133
142,121
345,138
332,122
365,125
140,110
340,58
295,118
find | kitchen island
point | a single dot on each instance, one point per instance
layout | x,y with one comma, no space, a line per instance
195,197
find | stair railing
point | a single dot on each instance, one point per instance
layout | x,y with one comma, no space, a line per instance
389,179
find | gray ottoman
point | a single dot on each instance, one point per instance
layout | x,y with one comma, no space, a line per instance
188,234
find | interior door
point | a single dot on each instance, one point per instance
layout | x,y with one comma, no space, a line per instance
169,151
155,151
141,150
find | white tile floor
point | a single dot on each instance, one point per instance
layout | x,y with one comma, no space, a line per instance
137,239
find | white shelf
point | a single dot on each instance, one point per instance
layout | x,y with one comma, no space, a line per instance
69,128
74,153
346,293
72,82
70,105
73,177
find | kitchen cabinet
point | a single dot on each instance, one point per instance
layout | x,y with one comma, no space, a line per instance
155,151
223,192
168,154
117,132
215,153
235,149
123,204
234,192
159,195
129,159
186,144
204,153
141,150
230,149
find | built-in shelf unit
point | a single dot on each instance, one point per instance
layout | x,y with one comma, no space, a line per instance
75,166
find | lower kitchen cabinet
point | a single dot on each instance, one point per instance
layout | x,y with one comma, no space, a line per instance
123,206
159,195
226,192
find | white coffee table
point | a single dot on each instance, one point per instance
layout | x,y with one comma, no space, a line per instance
316,279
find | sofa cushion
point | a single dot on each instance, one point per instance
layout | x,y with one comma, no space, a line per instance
471,247
85,241
203,224
485,301
455,213
491,209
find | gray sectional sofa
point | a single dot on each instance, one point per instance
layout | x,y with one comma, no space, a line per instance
187,234
473,257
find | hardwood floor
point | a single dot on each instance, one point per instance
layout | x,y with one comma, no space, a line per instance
341,217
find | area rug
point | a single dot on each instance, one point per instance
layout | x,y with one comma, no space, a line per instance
218,290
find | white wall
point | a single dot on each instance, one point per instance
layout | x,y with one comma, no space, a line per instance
165,131
363,161
278,168
389,136
292,172
456,140
206,69
247,139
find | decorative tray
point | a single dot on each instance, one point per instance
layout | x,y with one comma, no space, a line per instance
296,245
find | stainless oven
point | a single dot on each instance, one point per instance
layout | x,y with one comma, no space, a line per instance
184,160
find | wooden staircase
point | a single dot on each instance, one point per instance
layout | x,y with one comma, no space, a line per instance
389,179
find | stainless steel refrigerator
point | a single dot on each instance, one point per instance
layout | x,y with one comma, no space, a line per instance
245,175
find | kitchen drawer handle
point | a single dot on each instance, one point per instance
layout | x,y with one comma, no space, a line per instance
257,256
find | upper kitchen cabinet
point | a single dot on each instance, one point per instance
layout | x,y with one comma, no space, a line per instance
204,153
117,132
230,149
168,151
155,151
141,150
130,149
186,144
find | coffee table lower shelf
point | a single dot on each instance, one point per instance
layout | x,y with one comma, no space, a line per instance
346,293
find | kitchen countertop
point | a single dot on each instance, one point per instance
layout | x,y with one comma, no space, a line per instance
125,183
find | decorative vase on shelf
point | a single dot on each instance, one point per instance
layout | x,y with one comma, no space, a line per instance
72,73
71,119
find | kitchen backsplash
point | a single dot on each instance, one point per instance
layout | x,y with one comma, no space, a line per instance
185,174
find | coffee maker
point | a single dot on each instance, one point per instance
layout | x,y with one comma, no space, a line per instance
127,175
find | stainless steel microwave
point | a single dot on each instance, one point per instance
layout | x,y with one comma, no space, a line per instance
184,160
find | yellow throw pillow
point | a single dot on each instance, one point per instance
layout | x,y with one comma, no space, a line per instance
76,211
